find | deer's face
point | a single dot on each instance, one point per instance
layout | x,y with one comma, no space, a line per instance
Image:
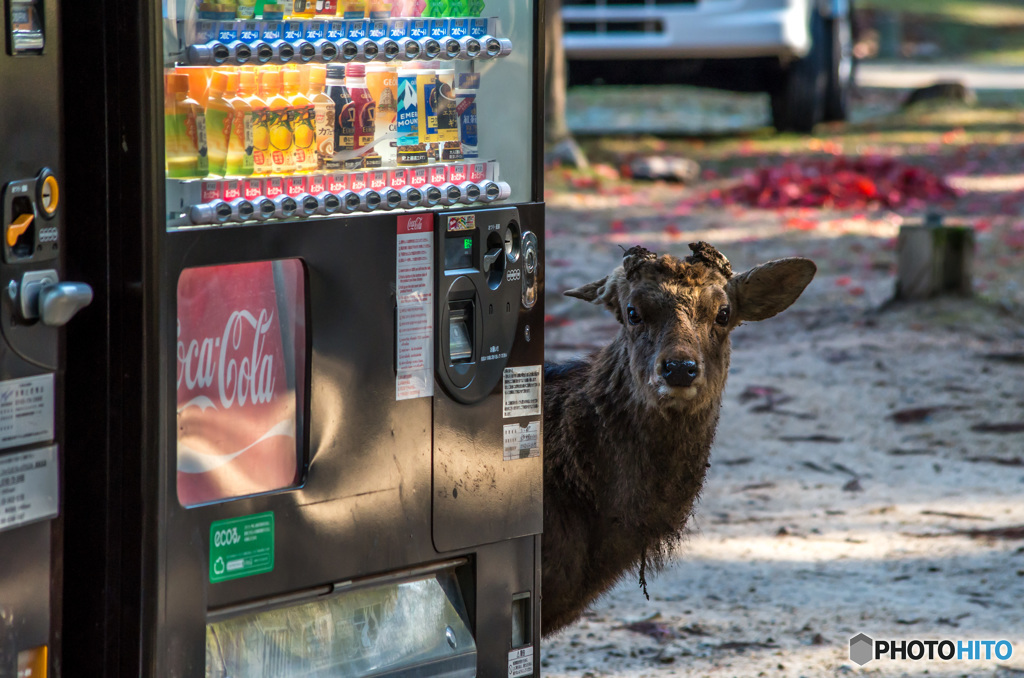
677,315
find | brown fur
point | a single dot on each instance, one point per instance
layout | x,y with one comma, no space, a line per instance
624,454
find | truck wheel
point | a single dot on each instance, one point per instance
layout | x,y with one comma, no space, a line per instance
798,102
840,32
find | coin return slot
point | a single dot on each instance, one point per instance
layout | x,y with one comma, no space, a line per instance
521,635
460,331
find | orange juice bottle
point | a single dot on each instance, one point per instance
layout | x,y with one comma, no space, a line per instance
240,142
323,112
301,116
279,128
260,130
220,118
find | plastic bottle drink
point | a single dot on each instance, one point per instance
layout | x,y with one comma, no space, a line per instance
184,130
382,81
279,129
220,118
326,7
362,110
344,139
240,142
353,9
323,111
301,116
260,130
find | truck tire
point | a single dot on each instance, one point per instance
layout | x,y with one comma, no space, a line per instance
841,67
798,102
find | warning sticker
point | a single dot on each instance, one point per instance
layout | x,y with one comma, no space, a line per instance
522,442
520,662
414,270
28,486
522,391
26,411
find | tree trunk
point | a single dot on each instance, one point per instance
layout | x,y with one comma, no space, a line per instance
556,132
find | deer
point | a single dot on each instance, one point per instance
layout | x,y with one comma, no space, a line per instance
628,429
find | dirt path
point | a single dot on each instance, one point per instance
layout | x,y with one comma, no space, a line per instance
868,470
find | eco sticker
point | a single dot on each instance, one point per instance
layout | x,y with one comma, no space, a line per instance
241,547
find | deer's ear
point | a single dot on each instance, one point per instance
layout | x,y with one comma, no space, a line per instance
603,292
770,288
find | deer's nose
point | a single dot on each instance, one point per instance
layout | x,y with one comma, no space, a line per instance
679,373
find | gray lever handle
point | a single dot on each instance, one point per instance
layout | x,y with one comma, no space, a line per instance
59,302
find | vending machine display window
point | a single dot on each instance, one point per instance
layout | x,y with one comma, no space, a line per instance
274,112
241,375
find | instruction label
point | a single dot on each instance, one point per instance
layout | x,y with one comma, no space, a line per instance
415,297
520,662
522,391
241,547
26,411
29,486
522,442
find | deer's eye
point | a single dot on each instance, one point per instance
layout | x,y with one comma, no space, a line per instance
723,316
634,317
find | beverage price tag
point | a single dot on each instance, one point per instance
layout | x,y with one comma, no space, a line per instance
437,174
397,178
272,31
438,28
378,180
253,188
417,177
250,32
399,28
478,172
378,30
357,181
337,183
228,31
314,30
457,174
357,30
293,31
210,191
232,188
316,184
274,187
458,28
478,28
295,186
206,31
336,30
419,28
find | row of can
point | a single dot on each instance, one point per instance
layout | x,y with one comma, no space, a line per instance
222,201
262,42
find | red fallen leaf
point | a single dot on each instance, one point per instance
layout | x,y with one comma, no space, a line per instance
556,321
618,226
843,280
801,224
672,231
856,291
982,225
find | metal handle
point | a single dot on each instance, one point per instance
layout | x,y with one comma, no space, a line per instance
59,302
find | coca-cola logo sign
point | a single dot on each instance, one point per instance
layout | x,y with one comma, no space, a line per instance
236,361
240,379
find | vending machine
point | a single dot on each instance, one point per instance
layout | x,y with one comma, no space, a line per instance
37,301
315,384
